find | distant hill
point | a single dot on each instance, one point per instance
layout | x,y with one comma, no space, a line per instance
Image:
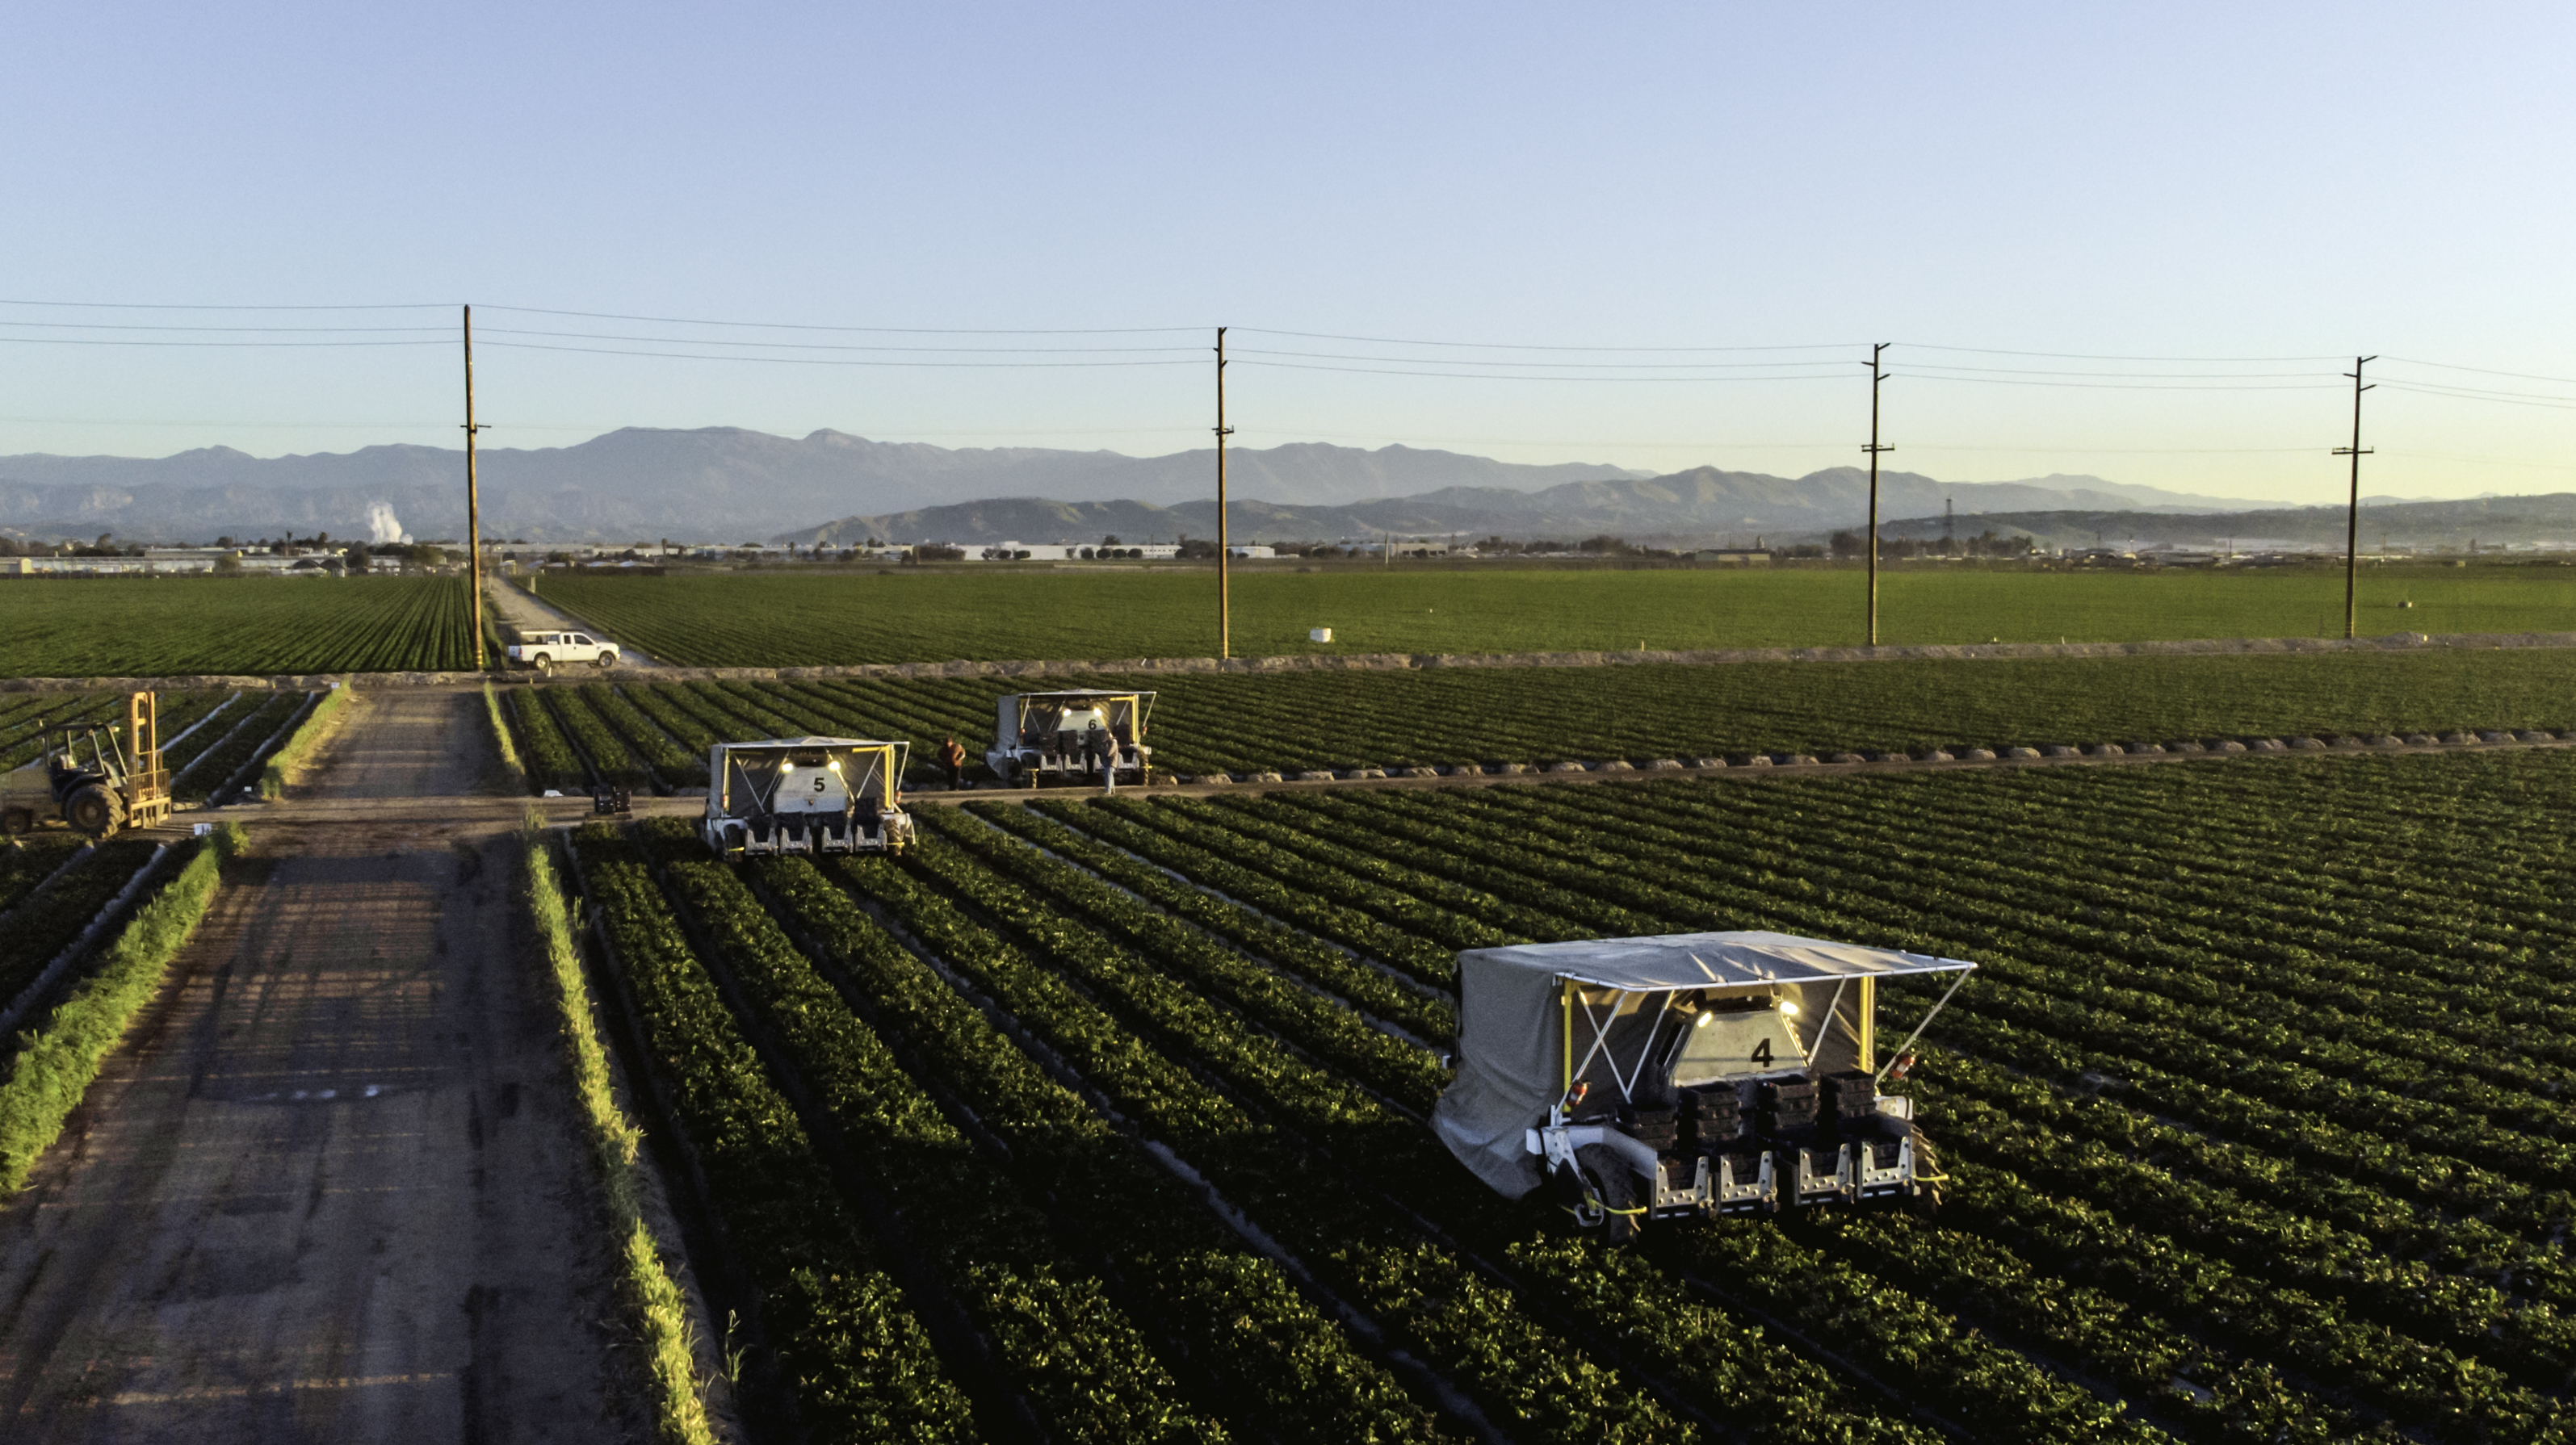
1702,505
715,483
2484,521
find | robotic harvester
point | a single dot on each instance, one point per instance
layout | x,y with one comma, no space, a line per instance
806,795
1688,1074
1073,736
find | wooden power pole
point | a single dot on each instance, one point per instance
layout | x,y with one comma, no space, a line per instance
473,498
1875,377
2352,518
1224,549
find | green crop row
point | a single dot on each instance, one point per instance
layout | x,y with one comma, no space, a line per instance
175,626
543,750
239,748
858,1364
2473,1327
1426,1298
1325,1028
676,766
1419,959
1321,965
1293,1372
31,862
609,760
2009,1397
45,925
1050,1329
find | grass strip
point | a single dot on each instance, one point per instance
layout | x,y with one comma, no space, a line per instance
307,735
57,1060
654,1308
501,735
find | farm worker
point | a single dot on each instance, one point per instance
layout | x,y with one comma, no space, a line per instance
952,759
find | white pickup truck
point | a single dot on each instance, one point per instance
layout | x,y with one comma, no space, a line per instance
546,651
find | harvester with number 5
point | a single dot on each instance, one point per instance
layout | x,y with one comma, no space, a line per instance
1687,1075
806,795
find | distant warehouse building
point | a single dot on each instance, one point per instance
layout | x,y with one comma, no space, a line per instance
1734,556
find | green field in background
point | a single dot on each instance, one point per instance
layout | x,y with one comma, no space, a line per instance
172,626
1244,722
783,620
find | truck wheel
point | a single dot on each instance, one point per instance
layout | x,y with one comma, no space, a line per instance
16,822
543,664
91,810
606,660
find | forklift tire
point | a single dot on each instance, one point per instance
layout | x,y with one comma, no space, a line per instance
92,810
16,822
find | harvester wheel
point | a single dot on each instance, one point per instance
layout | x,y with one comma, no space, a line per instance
16,822
93,810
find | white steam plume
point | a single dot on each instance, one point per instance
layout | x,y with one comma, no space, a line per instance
382,525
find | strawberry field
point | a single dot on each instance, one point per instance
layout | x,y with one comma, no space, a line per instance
657,734
182,626
1103,1119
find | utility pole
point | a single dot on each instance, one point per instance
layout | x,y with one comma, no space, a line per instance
1224,557
473,499
1875,377
2352,519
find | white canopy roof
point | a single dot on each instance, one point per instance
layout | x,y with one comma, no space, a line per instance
1511,1033
817,743
1704,960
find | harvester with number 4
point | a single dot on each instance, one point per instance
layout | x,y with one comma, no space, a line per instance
1688,1075
95,783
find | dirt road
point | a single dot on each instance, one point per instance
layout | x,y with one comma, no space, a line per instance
330,1190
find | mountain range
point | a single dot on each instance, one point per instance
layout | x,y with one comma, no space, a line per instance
1703,505
2385,521
714,483
728,484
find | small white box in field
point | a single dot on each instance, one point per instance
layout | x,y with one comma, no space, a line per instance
1319,634
202,829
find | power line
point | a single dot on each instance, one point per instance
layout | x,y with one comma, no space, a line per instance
883,330
198,306
1512,376
117,341
827,345
1522,346
2082,356
819,360
1586,365
262,330
2483,371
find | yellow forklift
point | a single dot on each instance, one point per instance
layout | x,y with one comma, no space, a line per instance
92,782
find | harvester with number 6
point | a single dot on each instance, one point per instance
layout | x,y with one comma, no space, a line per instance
1687,1075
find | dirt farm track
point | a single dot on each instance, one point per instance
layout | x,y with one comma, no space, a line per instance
329,1190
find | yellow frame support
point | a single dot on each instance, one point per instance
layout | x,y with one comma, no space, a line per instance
1565,1050
1869,1025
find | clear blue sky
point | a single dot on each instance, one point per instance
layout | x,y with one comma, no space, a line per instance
2196,181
